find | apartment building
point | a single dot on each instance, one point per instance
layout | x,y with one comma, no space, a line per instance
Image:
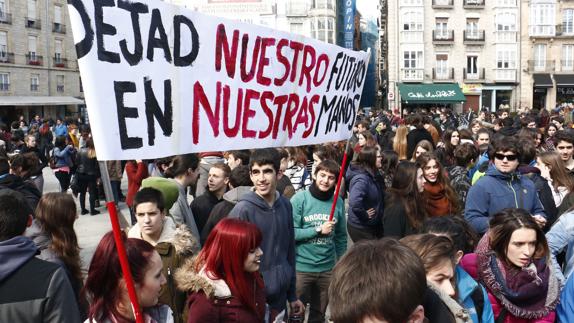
459,53
38,69
547,62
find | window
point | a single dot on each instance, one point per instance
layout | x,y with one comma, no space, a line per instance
506,59
3,46
34,82
472,28
441,28
4,81
323,29
542,19
506,3
442,66
60,83
3,10
505,22
539,57
57,14
471,66
411,2
32,9
413,21
81,85
568,57
32,40
296,28
568,21
58,51
323,4
412,59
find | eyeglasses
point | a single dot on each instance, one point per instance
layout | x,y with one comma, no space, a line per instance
508,157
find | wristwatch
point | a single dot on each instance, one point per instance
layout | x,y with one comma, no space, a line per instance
318,230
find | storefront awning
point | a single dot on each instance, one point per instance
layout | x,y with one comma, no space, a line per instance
39,100
431,93
564,79
542,80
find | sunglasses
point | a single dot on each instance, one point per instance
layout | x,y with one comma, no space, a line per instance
508,157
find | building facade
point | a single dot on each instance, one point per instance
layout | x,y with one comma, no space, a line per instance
438,47
547,53
38,67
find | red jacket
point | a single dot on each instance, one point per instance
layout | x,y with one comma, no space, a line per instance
136,174
469,264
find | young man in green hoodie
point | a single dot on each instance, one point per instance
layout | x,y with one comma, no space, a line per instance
318,241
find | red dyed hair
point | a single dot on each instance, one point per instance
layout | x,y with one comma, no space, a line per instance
224,254
104,275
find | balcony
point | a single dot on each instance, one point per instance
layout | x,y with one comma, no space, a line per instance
473,37
442,4
540,66
473,77
5,18
60,62
443,74
473,4
411,36
6,58
412,74
34,23
566,66
505,75
541,31
33,59
504,36
443,36
564,30
59,28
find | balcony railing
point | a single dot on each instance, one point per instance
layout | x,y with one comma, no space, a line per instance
542,30
504,36
443,36
505,75
567,65
32,59
34,87
540,66
473,36
473,76
412,36
443,74
442,4
6,58
59,28
565,30
5,18
60,62
412,74
33,23
473,4
60,88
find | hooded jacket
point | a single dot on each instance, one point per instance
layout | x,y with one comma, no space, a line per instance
278,246
175,245
222,209
211,301
33,290
496,191
364,193
28,189
466,287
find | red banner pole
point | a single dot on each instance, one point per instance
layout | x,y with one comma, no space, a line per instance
340,179
111,205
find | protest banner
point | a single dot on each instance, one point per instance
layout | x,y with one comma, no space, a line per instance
162,80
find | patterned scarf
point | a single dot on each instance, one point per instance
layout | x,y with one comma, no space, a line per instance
530,292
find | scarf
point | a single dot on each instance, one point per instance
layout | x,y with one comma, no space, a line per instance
320,195
530,292
437,203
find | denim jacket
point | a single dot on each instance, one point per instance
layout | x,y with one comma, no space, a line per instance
561,236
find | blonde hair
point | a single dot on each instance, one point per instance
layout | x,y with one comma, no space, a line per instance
400,142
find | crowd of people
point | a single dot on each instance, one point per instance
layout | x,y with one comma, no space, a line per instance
440,218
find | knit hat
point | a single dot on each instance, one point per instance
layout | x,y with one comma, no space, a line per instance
168,188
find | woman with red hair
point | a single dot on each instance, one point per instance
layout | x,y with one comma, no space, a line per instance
224,281
107,291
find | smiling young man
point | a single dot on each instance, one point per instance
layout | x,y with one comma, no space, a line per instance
272,213
502,187
319,242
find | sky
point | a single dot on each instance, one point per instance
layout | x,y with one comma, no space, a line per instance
368,8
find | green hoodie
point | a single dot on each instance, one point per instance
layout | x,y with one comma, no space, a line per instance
317,253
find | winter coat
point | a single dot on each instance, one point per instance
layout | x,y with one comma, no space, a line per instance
561,238
33,290
470,293
175,245
544,192
86,165
395,221
202,206
221,210
26,188
64,157
365,192
276,225
181,212
565,309
470,265
211,301
496,191
454,311
460,182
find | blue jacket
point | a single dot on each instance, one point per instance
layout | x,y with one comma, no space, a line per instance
496,191
565,309
64,156
560,237
60,130
364,193
278,245
465,286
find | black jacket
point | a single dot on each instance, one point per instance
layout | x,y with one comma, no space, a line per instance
28,189
86,165
201,208
544,193
414,137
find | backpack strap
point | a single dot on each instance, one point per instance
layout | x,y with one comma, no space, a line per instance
478,300
501,316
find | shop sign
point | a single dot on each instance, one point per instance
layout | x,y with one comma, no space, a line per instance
431,94
472,88
565,90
